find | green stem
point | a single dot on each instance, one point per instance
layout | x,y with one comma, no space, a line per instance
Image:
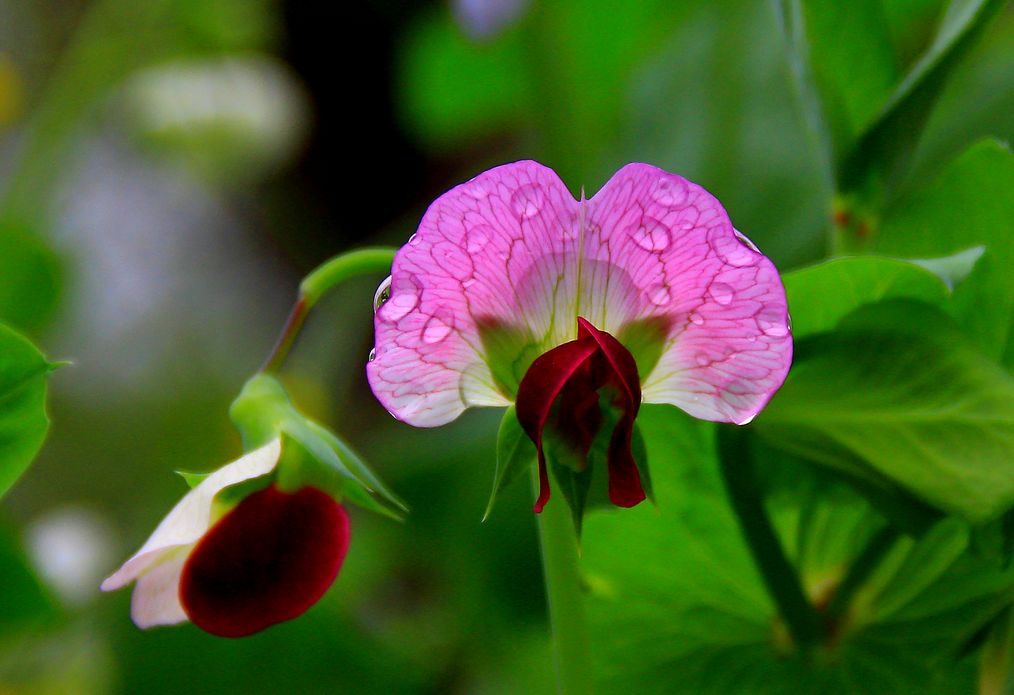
565,594
780,577
315,285
867,561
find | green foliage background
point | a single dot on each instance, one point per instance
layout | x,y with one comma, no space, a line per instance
874,129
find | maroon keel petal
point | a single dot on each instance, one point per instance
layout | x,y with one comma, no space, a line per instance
538,389
625,488
266,561
572,375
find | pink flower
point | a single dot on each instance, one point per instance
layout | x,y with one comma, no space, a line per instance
512,290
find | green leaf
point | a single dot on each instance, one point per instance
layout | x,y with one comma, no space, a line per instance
514,453
889,140
844,63
23,601
899,388
29,278
969,204
821,295
23,420
681,610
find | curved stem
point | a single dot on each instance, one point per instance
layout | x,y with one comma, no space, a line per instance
780,577
564,592
315,285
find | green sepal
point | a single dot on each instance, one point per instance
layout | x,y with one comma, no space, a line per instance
193,479
514,452
263,411
361,485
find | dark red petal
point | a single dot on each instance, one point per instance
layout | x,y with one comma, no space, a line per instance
266,561
538,389
625,488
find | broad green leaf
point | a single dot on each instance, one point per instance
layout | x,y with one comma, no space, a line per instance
844,62
969,204
23,420
889,140
515,452
29,278
681,610
899,388
821,295
23,600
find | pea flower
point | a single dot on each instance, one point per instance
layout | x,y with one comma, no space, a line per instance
236,567
512,291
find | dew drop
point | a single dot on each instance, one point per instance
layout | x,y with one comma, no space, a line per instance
658,294
772,323
742,238
399,305
721,293
696,319
413,240
476,238
382,294
437,328
373,355
651,235
670,190
527,201
702,359
731,249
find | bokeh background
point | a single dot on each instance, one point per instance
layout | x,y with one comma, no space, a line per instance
170,169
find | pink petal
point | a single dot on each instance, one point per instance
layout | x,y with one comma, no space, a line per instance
670,245
512,249
502,249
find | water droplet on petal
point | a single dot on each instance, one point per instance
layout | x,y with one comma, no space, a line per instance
702,359
476,238
773,323
730,249
438,327
651,235
696,319
413,240
373,355
721,293
382,294
527,200
670,190
658,294
744,240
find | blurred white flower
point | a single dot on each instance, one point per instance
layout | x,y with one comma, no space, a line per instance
70,547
